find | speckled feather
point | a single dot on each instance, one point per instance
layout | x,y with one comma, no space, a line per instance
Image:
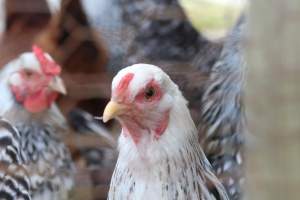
14,180
222,125
46,159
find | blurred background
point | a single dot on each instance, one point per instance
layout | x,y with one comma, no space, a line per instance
94,39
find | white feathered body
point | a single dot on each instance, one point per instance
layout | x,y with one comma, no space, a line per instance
171,167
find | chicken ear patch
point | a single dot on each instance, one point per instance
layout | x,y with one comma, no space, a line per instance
162,126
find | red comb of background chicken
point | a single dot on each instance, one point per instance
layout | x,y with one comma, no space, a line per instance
49,67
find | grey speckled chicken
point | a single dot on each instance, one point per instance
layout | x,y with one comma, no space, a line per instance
158,32
29,86
222,126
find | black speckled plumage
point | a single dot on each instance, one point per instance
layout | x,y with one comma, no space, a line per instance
35,155
14,179
48,161
222,124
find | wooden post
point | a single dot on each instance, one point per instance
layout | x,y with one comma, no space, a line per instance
273,99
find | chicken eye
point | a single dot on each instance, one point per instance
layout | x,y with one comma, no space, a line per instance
28,73
149,92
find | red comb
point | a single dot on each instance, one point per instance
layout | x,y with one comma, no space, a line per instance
48,66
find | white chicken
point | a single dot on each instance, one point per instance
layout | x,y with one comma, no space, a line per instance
160,156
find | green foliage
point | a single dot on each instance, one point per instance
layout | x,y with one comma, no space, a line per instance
208,16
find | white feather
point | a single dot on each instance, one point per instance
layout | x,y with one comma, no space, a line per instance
174,159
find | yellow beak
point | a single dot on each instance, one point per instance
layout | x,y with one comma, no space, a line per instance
112,110
58,85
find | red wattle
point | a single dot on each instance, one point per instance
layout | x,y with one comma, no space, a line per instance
134,129
39,101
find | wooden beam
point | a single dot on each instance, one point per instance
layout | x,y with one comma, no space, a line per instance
273,99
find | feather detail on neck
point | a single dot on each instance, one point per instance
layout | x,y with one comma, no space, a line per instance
17,114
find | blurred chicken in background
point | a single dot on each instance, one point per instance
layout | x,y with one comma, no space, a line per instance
222,127
29,86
